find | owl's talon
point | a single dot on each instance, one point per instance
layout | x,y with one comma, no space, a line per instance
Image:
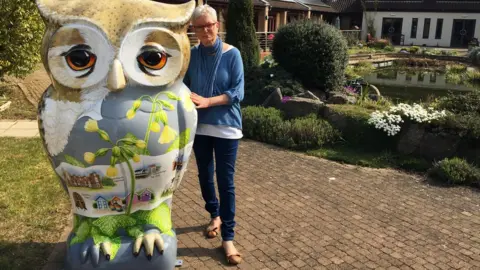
106,249
95,255
149,242
84,252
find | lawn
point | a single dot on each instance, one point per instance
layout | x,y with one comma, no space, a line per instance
33,206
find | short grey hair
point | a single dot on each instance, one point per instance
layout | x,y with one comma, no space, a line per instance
203,10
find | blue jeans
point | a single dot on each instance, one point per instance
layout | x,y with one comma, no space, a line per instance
225,156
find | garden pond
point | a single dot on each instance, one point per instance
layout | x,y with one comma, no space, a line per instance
409,85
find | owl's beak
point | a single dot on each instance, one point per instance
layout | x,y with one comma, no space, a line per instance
116,78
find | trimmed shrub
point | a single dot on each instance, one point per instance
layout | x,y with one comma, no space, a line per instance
21,31
414,49
267,125
241,32
262,124
261,81
315,53
455,171
389,48
307,133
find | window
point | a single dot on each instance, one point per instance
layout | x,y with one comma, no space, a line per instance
438,31
413,32
426,28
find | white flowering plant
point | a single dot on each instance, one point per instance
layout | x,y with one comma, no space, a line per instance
389,121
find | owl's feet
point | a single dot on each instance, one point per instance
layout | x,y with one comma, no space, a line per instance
93,252
149,241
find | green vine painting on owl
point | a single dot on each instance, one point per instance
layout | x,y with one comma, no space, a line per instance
118,124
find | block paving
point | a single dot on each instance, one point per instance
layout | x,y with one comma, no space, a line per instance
301,212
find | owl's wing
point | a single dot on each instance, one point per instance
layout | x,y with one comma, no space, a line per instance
57,118
41,128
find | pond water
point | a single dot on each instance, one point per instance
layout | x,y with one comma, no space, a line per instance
414,86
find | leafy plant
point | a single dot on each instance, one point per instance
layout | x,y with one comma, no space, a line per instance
104,229
21,31
315,53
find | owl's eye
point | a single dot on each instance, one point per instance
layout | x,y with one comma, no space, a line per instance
152,59
79,58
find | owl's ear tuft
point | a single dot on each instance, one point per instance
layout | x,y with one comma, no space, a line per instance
49,10
184,11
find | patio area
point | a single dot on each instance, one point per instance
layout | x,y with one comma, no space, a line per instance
301,212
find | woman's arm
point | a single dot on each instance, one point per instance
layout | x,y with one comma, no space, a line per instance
236,92
232,95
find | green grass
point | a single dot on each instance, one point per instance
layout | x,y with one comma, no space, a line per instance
350,155
33,207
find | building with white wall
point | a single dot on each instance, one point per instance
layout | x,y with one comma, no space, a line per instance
435,23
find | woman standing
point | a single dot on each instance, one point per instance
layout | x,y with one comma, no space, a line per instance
215,77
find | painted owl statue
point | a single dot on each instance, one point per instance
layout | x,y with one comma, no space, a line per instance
118,125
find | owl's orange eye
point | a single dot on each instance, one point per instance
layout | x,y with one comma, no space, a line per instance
79,60
153,59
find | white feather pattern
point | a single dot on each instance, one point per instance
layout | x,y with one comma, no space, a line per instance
58,119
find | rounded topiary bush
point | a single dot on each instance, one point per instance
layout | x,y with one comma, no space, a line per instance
315,53
455,171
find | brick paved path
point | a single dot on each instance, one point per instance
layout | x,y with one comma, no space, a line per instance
300,212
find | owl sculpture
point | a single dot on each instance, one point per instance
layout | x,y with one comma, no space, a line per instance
118,125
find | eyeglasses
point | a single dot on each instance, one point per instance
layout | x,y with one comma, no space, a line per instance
207,27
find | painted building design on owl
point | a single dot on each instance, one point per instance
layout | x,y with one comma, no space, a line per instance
79,201
91,181
101,203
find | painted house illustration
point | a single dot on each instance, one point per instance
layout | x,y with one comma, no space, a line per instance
116,204
91,181
79,202
145,195
102,203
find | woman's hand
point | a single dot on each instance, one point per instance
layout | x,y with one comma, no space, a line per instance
200,101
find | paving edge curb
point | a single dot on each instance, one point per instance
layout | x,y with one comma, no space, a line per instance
56,259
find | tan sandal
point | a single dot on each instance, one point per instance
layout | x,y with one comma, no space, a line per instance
234,259
211,233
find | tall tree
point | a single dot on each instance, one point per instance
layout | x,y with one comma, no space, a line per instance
241,31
